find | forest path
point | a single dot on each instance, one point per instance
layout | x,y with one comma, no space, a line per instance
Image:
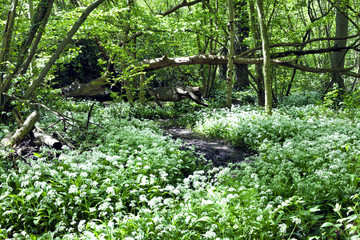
219,152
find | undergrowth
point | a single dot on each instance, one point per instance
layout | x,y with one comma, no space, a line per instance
128,181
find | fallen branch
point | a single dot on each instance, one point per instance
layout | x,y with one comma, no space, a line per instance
63,140
45,138
24,129
6,141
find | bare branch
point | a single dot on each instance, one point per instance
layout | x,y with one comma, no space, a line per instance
247,53
315,51
184,3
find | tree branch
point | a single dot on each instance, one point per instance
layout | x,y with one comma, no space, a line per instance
315,51
247,53
157,63
184,3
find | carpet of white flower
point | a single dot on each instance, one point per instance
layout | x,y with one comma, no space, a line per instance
138,184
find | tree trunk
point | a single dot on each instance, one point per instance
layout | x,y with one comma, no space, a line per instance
230,71
242,31
41,16
6,41
338,58
142,88
266,57
44,20
259,80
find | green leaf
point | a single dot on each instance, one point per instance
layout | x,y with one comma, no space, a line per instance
327,224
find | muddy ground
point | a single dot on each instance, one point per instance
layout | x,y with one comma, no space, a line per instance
217,152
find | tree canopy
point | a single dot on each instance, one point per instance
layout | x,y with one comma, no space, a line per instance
307,39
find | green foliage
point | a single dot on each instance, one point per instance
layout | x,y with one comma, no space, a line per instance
302,99
132,162
301,154
136,183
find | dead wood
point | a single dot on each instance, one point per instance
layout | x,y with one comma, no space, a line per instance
177,93
45,138
24,129
208,59
6,140
63,140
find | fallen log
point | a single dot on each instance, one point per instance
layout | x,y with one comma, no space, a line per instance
177,93
24,129
6,140
63,140
45,138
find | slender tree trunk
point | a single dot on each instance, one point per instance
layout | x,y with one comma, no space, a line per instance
6,41
230,71
36,42
266,56
259,80
41,16
4,57
31,15
142,88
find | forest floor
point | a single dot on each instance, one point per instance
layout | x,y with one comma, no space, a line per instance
218,152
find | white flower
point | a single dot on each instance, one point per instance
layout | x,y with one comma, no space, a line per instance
143,198
82,225
282,228
163,175
209,234
154,202
144,181
110,190
24,184
73,189
206,202
169,188
176,191
83,174
296,220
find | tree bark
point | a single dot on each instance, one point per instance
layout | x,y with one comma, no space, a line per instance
43,137
184,3
230,70
142,89
41,16
241,32
266,57
6,41
338,58
258,79
157,63
24,129
30,58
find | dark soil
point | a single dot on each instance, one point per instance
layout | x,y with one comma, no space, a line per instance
217,152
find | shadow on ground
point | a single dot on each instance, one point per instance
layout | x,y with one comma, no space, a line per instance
218,152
